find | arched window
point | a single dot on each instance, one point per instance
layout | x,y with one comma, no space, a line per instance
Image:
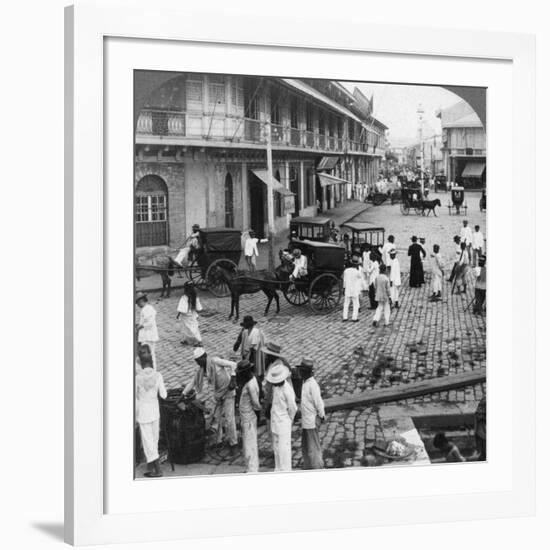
229,207
151,212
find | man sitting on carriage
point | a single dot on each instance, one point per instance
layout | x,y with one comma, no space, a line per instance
190,247
300,264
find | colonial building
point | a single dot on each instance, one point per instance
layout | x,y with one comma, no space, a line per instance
464,146
429,149
202,144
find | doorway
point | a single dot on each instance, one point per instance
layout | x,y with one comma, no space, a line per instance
256,192
295,188
229,207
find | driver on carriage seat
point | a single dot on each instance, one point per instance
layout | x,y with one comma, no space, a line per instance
300,264
190,246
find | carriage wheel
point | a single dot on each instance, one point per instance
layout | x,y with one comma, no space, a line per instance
296,294
325,293
194,274
215,281
405,209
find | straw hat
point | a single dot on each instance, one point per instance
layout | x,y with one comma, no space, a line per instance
198,352
141,296
277,373
271,348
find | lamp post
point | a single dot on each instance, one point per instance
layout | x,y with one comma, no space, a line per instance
420,113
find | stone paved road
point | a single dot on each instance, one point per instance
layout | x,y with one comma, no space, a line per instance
424,340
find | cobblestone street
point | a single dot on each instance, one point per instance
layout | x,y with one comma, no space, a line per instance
424,340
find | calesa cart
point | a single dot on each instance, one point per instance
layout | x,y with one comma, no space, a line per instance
219,249
411,200
457,198
321,288
363,236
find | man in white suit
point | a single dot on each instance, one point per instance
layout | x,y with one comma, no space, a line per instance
395,277
353,285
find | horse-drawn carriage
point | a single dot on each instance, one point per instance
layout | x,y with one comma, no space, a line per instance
457,199
218,247
411,199
362,235
321,288
315,228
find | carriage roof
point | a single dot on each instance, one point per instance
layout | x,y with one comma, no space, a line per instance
220,239
361,226
313,220
324,256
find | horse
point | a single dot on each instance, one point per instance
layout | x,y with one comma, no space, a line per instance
249,283
429,206
165,266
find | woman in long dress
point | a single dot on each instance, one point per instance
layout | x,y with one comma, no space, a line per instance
188,308
417,271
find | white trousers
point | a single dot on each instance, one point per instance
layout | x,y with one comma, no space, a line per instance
382,307
282,448
183,255
437,282
394,293
249,431
355,301
224,418
150,439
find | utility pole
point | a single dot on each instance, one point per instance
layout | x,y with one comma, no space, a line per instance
270,212
420,112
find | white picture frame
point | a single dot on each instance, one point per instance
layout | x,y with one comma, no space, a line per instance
93,424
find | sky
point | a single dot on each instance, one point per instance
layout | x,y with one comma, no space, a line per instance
396,106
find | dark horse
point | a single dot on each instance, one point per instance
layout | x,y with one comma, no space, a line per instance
429,206
165,266
249,283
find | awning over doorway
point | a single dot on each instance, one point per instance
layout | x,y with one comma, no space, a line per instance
275,183
327,179
327,163
473,170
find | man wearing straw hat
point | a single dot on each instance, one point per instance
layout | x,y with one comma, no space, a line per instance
395,277
220,373
147,327
312,408
283,410
249,407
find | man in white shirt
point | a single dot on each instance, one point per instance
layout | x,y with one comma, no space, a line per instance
283,410
371,266
437,274
466,237
300,264
220,374
394,277
190,247
147,327
477,244
388,245
353,284
251,249
312,408
149,387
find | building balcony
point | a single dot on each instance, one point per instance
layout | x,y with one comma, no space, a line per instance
162,127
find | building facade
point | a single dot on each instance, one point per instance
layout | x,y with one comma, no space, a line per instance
202,144
464,146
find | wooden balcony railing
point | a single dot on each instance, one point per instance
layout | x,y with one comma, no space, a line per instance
161,123
277,133
322,141
310,139
295,137
252,130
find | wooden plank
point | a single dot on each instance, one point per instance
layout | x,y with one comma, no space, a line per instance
406,391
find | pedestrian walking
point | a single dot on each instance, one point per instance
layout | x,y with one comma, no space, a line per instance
149,387
466,236
147,327
371,266
480,289
250,340
394,277
416,252
382,285
353,284
388,245
249,409
458,252
437,274
188,312
462,269
220,374
478,241
251,249
283,410
313,412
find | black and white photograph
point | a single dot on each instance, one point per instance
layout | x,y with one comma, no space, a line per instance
310,274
